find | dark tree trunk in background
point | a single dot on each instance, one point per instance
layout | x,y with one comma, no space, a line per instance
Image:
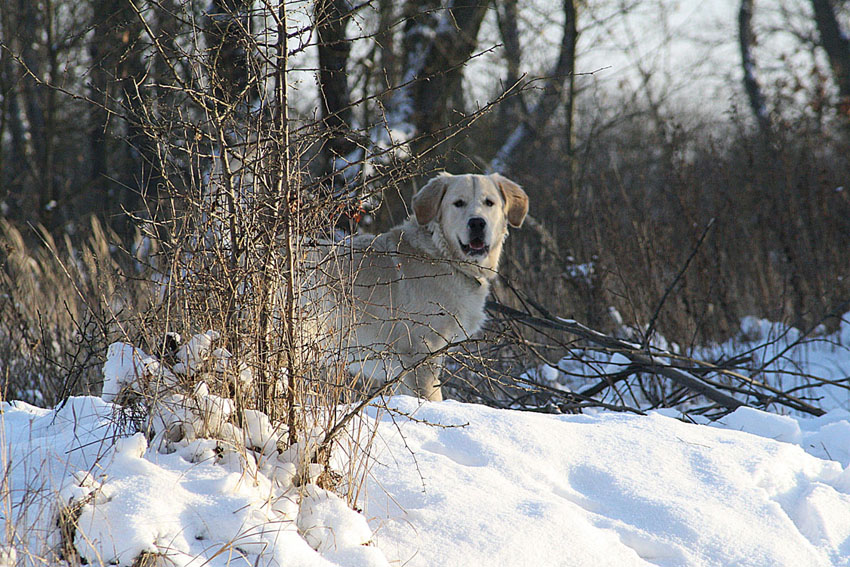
421,19
145,173
231,64
440,74
12,161
437,43
31,99
550,97
116,177
332,17
103,50
837,46
513,108
388,60
746,42
15,88
569,44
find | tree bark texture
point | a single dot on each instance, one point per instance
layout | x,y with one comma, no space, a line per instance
442,71
513,107
332,17
837,46
550,96
231,64
746,42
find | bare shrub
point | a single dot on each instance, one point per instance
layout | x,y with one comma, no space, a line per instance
640,212
61,305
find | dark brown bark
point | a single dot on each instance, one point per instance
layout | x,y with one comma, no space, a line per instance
513,107
332,17
837,46
385,38
421,19
230,59
442,70
746,42
116,72
17,167
31,98
569,44
552,93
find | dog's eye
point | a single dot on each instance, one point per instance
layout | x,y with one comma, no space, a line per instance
459,203
489,202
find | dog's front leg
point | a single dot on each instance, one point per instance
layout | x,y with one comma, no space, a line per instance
423,380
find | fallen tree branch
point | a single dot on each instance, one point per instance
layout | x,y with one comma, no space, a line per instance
648,361
631,351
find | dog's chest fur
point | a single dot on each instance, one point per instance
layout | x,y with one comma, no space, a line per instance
410,295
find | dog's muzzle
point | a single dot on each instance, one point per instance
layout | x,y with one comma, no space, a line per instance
477,244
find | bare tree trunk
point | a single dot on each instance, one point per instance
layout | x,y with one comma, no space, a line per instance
331,20
389,64
117,71
231,61
571,35
13,112
837,46
104,49
513,107
421,19
141,155
50,194
31,98
746,40
436,50
549,99
442,68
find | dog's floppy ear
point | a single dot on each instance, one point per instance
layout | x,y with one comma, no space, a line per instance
426,202
515,198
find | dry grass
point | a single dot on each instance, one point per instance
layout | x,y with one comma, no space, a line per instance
776,248
61,304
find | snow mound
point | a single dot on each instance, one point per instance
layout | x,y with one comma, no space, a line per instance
508,488
127,367
459,485
209,485
128,498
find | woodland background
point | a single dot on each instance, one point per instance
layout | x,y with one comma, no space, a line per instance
676,197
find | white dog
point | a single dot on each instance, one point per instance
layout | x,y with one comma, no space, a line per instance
406,294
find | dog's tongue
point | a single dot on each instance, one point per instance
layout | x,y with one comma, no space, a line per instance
476,244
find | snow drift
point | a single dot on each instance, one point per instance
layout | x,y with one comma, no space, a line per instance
450,484
515,488
459,485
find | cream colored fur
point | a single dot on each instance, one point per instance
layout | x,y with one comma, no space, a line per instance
409,292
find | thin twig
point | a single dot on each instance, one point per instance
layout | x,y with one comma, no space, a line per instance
631,351
650,329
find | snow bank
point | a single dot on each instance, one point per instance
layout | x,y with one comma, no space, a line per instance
126,366
459,485
204,491
194,506
522,489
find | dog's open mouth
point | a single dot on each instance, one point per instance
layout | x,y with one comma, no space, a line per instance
476,247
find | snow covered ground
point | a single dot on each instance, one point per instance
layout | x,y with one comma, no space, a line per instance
814,367
476,486
611,489
457,485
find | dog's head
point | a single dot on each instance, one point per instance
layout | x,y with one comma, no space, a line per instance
473,213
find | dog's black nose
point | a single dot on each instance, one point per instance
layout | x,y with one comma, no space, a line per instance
476,225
